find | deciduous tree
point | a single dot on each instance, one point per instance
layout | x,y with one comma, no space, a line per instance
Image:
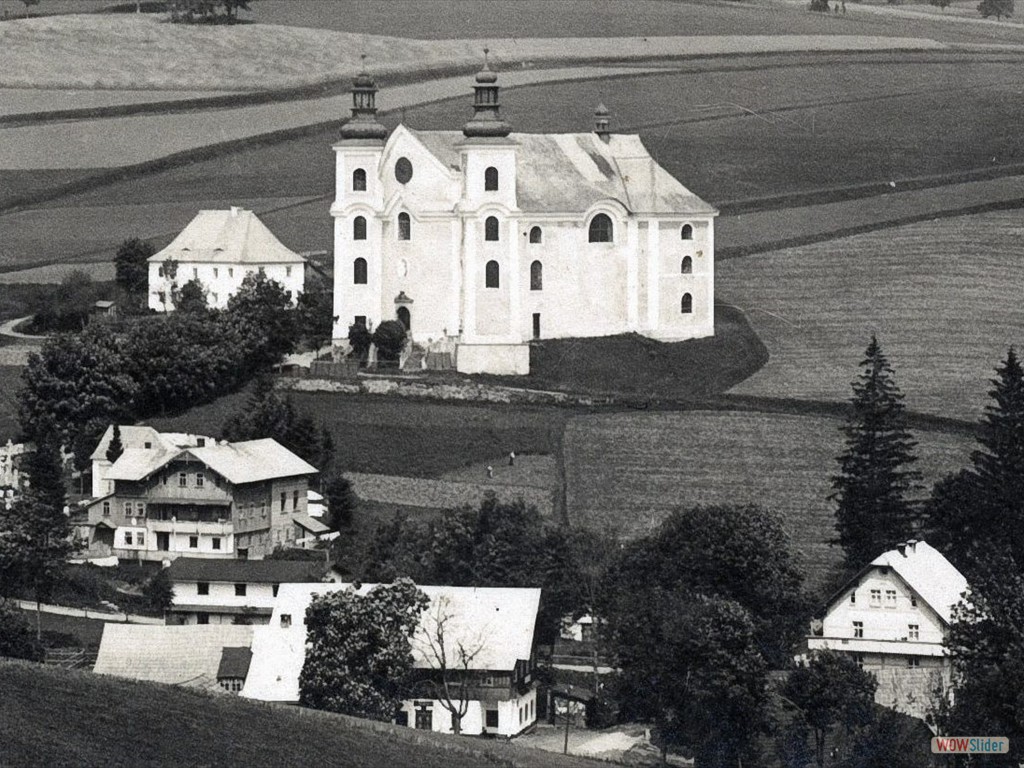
131,269
875,480
316,318
359,655
191,298
831,690
16,638
262,310
390,339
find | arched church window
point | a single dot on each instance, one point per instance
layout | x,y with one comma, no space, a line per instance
491,274
536,276
687,304
358,180
359,228
491,180
687,267
404,227
359,271
687,232
601,230
536,235
491,229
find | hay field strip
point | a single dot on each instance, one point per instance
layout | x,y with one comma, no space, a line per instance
19,101
943,297
626,472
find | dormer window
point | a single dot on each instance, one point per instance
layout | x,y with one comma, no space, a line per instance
358,180
491,180
491,229
601,230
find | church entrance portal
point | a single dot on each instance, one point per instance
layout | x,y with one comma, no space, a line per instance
404,318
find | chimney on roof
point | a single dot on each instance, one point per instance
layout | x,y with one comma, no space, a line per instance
147,445
234,211
912,543
902,548
601,115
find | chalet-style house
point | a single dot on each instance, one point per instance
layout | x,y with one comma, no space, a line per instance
132,437
214,499
219,248
483,239
498,624
892,617
213,658
208,591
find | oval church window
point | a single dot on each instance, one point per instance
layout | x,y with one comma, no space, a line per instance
403,170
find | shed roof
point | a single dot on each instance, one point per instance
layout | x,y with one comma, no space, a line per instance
245,571
234,236
167,654
570,172
500,621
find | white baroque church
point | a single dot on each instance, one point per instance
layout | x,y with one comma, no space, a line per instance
485,239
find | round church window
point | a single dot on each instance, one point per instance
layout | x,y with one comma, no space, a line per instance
403,170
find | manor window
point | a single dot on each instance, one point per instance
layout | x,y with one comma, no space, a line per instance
359,271
876,598
601,230
536,236
215,542
404,227
913,631
536,276
858,629
202,587
491,180
890,598
491,229
358,180
913,662
687,267
239,590
687,232
359,228
491,272
127,538
686,305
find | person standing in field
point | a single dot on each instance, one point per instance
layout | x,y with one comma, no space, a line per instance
512,458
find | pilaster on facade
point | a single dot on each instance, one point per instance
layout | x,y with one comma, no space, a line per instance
653,272
515,298
632,276
469,330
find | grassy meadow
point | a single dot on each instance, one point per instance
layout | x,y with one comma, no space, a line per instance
188,727
626,472
942,296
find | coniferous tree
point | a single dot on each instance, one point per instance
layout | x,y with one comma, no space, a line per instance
116,447
875,477
999,463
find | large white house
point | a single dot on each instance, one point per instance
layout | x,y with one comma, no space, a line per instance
496,624
219,248
892,617
488,238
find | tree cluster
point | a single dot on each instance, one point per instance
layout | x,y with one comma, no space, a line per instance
268,413
359,652
152,366
206,11
997,8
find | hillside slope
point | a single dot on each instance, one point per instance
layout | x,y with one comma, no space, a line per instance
110,722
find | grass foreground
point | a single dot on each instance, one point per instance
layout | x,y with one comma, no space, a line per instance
186,727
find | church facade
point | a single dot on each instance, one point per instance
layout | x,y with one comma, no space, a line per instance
485,239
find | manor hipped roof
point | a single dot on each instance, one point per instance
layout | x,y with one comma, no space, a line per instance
498,622
234,236
570,172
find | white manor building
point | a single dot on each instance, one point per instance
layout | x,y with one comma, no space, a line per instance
488,238
219,248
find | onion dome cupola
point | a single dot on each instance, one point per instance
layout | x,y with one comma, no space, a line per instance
364,123
486,121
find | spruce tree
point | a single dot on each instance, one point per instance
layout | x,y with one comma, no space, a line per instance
116,447
998,473
875,476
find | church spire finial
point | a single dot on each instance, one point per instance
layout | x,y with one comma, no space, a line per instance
363,124
486,121
601,115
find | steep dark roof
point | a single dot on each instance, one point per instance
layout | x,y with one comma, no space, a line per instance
234,663
249,571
